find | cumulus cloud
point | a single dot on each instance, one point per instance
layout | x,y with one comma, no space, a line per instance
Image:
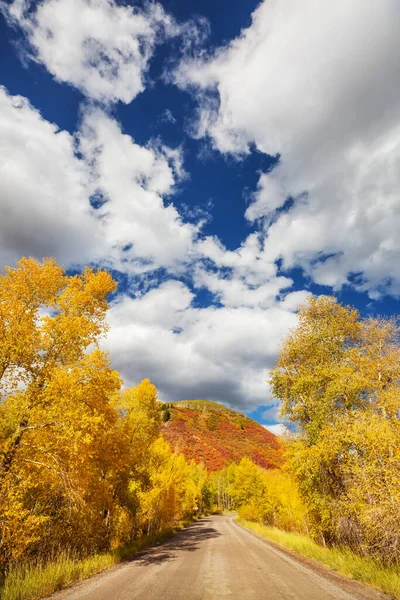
247,261
244,277
234,291
271,413
100,197
316,84
98,46
45,209
141,232
278,429
221,354
47,188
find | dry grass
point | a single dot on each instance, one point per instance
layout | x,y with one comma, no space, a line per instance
365,570
39,580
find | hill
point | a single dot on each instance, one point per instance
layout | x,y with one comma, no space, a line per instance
216,435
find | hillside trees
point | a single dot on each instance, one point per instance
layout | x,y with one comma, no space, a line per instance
217,435
338,379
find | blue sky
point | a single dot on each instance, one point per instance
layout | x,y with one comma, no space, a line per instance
223,159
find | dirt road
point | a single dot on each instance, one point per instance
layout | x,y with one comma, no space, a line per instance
212,559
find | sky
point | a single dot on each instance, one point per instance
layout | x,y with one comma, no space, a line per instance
223,159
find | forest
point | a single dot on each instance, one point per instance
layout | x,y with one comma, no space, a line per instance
84,469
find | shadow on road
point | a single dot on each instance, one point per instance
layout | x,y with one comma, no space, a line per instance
187,540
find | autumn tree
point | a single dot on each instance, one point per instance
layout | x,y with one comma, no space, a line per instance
55,410
47,321
282,504
159,488
137,429
246,483
338,377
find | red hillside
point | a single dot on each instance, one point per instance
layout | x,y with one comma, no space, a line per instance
216,436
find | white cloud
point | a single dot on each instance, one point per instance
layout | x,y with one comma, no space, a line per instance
278,429
245,277
317,84
46,192
98,46
293,300
168,117
161,307
269,196
218,353
235,292
45,209
339,161
247,261
271,413
140,231
222,354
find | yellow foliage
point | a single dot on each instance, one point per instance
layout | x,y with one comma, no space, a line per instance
338,377
82,467
285,508
172,492
266,496
246,483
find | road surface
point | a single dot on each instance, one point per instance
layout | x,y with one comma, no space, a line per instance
212,559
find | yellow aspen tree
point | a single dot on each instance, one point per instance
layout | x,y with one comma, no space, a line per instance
33,346
338,379
55,395
247,484
170,493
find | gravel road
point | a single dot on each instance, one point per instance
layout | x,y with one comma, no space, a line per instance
212,559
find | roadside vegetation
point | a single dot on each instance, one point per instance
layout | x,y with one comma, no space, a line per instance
39,579
338,379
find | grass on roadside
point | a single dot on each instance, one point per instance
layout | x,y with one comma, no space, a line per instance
41,580
365,570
